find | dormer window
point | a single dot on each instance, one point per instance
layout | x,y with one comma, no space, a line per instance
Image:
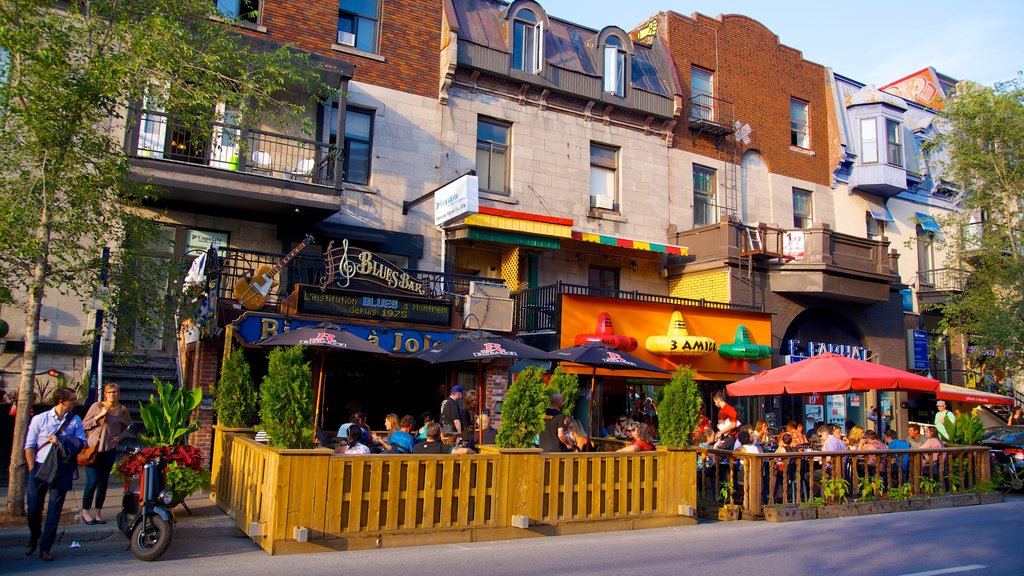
614,67
894,142
527,42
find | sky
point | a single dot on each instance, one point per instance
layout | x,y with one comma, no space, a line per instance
871,41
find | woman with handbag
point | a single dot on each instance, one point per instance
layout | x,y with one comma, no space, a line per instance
106,424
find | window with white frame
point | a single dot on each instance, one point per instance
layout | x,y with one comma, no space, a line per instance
803,208
244,10
492,157
894,142
876,227
704,189
702,92
358,24
868,141
925,256
799,127
603,177
614,66
527,42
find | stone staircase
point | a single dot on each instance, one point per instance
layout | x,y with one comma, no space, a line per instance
134,373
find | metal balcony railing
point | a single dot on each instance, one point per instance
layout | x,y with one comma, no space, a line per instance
711,115
226,147
940,280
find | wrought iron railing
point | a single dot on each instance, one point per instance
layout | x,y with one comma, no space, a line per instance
940,280
710,112
230,148
537,310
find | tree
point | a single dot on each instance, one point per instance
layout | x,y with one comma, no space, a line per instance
679,411
67,74
234,396
980,146
568,385
522,413
286,399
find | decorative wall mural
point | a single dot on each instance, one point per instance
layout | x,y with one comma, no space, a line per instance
678,341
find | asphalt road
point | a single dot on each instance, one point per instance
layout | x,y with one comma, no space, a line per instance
974,540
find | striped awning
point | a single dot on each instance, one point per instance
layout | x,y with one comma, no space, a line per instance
628,243
520,222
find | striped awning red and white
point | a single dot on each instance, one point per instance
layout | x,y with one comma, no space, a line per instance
970,395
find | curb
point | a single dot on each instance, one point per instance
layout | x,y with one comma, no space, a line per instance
190,528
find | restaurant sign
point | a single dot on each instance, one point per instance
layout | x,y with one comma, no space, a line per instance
334,302
795,352
357,269
253,327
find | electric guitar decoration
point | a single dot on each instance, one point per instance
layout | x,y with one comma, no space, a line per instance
251,292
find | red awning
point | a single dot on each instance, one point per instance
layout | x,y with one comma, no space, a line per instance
971,396
830,374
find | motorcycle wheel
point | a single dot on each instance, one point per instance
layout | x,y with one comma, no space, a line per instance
150,542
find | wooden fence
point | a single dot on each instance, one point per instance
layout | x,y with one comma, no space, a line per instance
306,500
795,478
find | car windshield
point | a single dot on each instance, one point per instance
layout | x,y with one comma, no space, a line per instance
1005,435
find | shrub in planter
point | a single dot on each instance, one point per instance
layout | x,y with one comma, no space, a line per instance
234,395
522,413
680,409
286,400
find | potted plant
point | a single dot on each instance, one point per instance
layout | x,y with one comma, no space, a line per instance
286,400
680,409
167,417
522,414
930,489
234,395
872,497
834,492
728,512
900,497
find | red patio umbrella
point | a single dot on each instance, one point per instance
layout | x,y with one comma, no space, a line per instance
830,374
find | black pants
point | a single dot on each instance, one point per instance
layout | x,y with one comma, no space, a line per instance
97,475
41,534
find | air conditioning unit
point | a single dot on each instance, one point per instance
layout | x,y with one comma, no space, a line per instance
346,38
494,314
488,289
606,201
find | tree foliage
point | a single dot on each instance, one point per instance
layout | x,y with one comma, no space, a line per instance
286,399
981,147
568,385
522,412
234,395
679,411
69,72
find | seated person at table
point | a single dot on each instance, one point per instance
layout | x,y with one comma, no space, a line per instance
931,461
488,435
400,441
746,440
854,436
897,444
579,440
643,440
348,440
427,419
433,444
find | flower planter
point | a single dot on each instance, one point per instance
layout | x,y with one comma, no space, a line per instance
729,513
965,499
789,513
990,498
900,505
838,511
874,507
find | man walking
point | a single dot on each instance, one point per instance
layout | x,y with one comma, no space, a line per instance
56,429
943,417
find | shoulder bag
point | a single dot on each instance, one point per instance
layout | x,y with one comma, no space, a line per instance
88,454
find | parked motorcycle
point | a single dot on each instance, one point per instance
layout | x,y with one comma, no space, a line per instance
145,516
1009,476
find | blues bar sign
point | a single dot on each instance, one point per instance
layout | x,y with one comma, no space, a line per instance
357,269
328,302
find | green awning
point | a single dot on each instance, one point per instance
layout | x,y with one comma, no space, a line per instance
504,237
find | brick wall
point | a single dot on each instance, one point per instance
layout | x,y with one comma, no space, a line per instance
205,367
712,285
759,75
409,40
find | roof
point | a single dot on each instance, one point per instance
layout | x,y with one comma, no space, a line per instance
566,45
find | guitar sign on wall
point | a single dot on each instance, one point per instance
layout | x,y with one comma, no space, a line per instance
252,292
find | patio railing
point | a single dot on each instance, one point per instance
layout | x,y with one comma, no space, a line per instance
798,478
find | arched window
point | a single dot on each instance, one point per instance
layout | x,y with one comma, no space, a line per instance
614,66
527,42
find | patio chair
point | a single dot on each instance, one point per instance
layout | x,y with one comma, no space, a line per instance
261,161
303,170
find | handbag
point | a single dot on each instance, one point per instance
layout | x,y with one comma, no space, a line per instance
47,470
88,454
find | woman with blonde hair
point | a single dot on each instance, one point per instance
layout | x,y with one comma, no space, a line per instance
579,437
106,425
854,436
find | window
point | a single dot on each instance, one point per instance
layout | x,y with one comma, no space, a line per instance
603,180
358,140
614,67
803,208
799,134
358,21
492,155
876,227
704,193
868,141
925,256
894,142
702,92
527,42
603,277
244,10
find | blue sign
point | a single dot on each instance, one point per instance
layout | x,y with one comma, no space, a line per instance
251,328
919,343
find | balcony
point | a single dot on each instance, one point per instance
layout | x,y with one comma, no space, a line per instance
712,116
814,262
935,286
539,310
882,179
254,173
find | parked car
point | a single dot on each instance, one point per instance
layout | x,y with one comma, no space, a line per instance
1007,454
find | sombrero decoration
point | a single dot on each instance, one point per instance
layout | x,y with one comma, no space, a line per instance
678,341
743,349
605,333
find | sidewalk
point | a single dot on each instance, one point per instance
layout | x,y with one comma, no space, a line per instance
206,519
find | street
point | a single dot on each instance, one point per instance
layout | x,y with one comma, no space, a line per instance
970,540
